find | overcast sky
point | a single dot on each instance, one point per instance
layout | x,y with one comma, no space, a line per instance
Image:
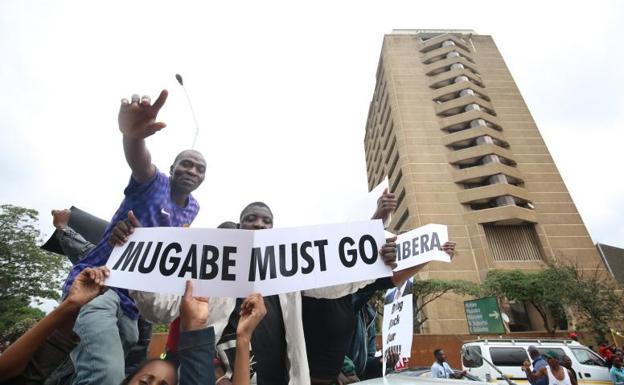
281,91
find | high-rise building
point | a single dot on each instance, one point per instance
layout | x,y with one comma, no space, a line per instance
448,126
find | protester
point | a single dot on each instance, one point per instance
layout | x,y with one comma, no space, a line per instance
616,373
45,346
554,373
278,346
566,362
606,351
441,368
538,363
108,325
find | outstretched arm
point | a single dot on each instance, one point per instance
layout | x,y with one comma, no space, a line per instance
88,285
137,121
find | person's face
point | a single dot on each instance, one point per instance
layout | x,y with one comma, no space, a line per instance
256,218
553,362
155,373
617,362
442,356
567,362
534,353
188,172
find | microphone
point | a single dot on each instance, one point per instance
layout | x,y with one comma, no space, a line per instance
188,99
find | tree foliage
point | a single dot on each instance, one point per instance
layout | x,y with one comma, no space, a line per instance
540,289
590,294
26,271
428,290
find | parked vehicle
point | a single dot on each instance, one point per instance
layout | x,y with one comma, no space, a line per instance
508,355
406,378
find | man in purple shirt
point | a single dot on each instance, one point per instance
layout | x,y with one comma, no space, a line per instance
107,326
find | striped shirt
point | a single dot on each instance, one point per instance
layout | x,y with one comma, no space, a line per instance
152,205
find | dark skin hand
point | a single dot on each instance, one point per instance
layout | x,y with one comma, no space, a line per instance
123,229
388,252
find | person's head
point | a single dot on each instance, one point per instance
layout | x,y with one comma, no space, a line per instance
574,336
227,225
439,355
187,171
533,352
552,359
256,216
567,362
617,361
153,372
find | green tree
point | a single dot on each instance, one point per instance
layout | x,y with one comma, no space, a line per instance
26,272
595,296
543,290
426,291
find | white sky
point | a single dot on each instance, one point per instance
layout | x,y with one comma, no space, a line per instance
281,91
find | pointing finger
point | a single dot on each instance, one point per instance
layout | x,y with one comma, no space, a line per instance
160,101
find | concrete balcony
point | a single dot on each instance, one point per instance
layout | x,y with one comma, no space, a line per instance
452,91
467,136
436,42
444,65
456,106
462,121
471,154
478,174
448,78
504,215
440,54
485,194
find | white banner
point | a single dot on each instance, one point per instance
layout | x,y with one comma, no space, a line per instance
236,263
397,327
421,245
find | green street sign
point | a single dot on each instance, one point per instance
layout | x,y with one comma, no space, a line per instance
484,316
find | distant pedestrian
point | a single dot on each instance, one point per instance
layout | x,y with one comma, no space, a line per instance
617,371
538,363
441,368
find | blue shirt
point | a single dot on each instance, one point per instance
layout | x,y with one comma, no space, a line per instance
441,371
152,205
617,375
538,364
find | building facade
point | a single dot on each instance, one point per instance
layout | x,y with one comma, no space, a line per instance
447,125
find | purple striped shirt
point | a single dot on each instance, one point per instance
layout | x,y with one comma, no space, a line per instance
152,205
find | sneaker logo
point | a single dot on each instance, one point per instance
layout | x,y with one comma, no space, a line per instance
162,211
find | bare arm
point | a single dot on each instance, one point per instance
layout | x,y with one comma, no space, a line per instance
137,121
87,286
251,313
572,377
532,377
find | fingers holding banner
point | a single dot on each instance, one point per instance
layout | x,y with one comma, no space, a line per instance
388,252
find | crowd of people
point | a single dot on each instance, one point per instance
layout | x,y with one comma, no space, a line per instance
99,334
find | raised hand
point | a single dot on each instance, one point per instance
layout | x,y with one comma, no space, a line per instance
193,310
386,204
121,231
87,285
60,218
137,119
388,252
252,311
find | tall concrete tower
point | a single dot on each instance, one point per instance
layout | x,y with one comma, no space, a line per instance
448,126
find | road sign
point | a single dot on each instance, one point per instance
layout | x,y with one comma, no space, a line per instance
484,316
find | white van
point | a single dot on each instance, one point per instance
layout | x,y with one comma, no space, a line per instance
508,355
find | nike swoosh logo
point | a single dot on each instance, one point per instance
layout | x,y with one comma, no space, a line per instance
164,212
